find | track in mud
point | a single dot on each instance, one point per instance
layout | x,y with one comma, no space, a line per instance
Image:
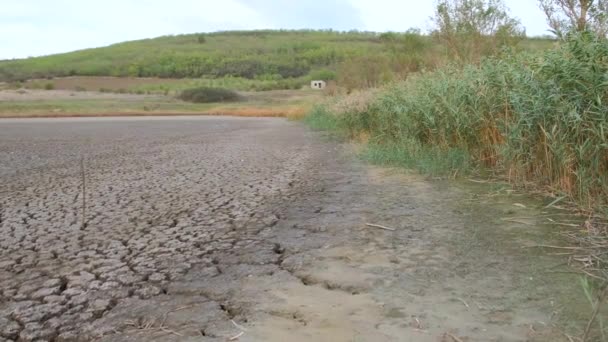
210,228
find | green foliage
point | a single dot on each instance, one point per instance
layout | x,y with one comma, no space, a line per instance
247,60
535,117
564,16
209,95
365,72
320,118
428,160
323,74
244,54
471,29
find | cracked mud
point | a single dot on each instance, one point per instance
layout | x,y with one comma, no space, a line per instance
207,229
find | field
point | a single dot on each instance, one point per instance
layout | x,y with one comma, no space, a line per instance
55,103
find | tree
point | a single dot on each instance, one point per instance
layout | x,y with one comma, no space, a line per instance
364,72
564,16
471,29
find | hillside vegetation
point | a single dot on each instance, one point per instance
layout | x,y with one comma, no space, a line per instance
536,118
270,59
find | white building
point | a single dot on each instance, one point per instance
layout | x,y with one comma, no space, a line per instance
318,84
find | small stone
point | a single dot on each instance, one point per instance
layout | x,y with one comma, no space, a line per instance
52,283
9,329
27,289
7,264
55,299
85,317
128,279
98,306
147,291
75,309
82,279
68,336
44,292
53,323
270,220
109,285
78,300
20,297
156,277
118,293
35,331
95,285
74,291
9,293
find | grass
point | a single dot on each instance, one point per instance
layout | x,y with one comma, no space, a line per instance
426,160
286,103
533,117
155,85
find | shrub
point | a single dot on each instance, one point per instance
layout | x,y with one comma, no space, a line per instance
208,94
49,86
535,118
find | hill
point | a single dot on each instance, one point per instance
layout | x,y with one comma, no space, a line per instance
250,55
247,54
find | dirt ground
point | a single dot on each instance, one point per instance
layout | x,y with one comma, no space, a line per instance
98,82
41,95
218,228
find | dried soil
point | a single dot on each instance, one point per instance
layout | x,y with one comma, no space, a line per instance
209,228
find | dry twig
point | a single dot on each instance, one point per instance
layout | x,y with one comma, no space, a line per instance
517,221
556,247
455,338
84,193
170,331
464,302
379,226
236,337
598,305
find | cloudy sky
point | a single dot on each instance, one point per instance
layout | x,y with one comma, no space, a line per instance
39,27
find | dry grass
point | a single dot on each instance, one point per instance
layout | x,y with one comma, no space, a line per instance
91,83
355,102
290,113
292,104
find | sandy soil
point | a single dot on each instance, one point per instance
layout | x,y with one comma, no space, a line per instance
215,229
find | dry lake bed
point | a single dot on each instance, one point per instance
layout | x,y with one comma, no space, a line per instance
255,229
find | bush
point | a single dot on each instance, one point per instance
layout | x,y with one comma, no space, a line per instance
208,94
534,118
49,86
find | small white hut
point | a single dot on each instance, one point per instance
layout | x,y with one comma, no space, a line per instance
318,84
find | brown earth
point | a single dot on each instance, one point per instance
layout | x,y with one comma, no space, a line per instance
215,229
95,83
42,95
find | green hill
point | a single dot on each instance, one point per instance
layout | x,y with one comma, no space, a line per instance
247,54
254,55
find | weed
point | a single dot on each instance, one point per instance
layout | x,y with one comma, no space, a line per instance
533,117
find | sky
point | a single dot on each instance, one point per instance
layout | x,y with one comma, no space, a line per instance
41,27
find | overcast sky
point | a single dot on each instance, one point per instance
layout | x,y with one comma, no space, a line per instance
40,27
